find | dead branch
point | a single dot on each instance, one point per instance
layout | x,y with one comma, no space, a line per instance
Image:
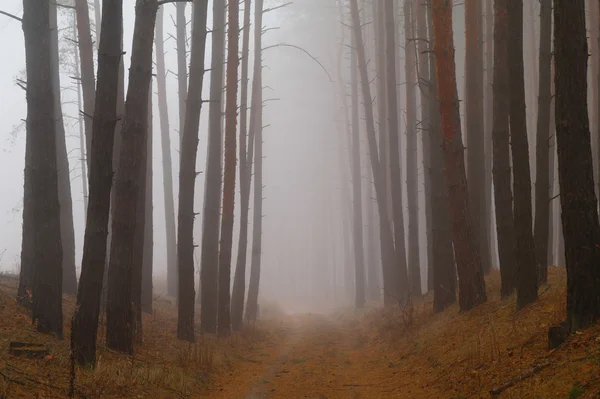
529,373
304,51
11,16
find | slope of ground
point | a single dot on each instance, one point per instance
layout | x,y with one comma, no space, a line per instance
409,353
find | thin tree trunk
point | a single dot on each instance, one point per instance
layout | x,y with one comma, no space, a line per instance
593,22
122,270
165,139
256,126
41,132
505,225
527,280
85,318
246,153
182,67
554,218
578,200
209,258
148,249
474,107
187,177
470,275
488,128
542,181
98,21
82,149
412,190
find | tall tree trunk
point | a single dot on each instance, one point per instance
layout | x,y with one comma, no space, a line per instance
468,262
554,219
475,128
578,200
444,273
85,318
98,21
41,132
233,32
182,67
527,279
67,233
148,249
256,126
379,35
501,169
81,123
246,154
412,190
165,139
187,177
542,181
392,280
209,259
357,221
86,54
488,128
593,22
122,269
423,79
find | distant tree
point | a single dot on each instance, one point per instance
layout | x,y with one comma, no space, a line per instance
87,311
182,75
578,200
209,257
148,250
123,268
468,262
501,169
527,280
542,181
187,176
42,176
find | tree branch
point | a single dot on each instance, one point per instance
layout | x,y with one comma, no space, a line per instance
161,2
11,16
304,51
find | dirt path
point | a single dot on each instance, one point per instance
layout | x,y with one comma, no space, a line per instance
319,357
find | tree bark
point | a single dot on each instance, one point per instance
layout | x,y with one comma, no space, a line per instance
593,22
41,132
187,176
209,258
542,181
165,139
182,67
578,200
488,126
256,125
527,276
501,168
85,318
468,261
148,249
123,271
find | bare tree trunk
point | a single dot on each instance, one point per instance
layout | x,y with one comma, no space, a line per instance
82,149
163,112
412,190
85,318
98,16
577,197
187,177
554,218
148,249
527,281
209,258
593,22
475,128
122,271
182,67
488,128
505,225
470,275
246,153
256,126
86,54
41,132
542,181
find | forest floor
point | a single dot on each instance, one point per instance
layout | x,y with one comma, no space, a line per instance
409,353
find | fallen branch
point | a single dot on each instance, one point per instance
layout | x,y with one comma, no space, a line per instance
529,373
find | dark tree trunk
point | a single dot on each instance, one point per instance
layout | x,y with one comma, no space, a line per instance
578,200
182,75
593,23
67,233
41,132
527,280
209,258
187,177
488,126
475,128
246,153
165,140
468,262
122,271
85,318
542,181
412,189
357,221
554,186
256,126
148,250
444,273
86,54
233,32
501,169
